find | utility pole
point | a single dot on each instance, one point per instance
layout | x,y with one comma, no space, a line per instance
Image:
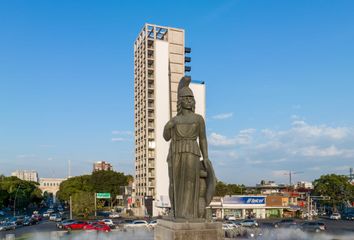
18,188
95,205
71,208
290,174
308,207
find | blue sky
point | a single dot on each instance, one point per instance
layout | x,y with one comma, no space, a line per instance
279,77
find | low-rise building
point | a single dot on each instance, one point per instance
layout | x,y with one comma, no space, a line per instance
102,166
50,185
244,206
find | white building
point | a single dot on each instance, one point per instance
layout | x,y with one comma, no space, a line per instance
159,64
50,185
303,184
26,175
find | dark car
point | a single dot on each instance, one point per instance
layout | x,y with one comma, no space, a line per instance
30,221
285,223
313,226
348,216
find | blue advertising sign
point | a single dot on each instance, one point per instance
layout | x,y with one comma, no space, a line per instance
244,200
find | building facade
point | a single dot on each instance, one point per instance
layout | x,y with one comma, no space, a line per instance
159,64
26,175
50,185
102,166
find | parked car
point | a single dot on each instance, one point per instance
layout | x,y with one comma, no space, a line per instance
30,221
285,223
249,223
75,225
7,226
56,217
18,221
348,216
137,223
100,227
65,222
335,216
50,210
313,226
230,217
233,224
152,224
37,216
114,215
108,222
46,214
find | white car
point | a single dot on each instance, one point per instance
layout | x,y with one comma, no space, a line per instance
137,223
108,222
335,216
230,217
114,215
226,226
152,224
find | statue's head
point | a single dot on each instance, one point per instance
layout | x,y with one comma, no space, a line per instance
185,95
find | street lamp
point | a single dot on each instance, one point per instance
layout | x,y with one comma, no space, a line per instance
18,188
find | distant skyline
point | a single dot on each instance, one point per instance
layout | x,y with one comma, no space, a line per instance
279,83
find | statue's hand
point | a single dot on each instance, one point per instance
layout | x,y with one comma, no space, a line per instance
206,162
170,124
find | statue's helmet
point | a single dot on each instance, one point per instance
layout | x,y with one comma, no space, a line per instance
183,87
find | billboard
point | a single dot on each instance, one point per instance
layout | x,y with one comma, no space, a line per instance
258,200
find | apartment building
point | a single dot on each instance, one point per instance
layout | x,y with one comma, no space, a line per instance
159,64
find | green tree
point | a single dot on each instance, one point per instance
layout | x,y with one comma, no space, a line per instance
83,203
25,193
99,181
74,185
108,181
337,187
222,189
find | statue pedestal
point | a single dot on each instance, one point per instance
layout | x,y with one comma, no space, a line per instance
171,230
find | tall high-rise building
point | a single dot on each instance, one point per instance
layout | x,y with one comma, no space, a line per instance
159,64
27,175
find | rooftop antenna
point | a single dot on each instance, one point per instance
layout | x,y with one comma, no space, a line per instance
290,174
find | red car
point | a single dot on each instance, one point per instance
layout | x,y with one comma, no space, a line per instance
98,227
76,225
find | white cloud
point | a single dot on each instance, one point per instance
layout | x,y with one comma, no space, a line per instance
300,127
314,149
244,137
280,173
222,116
118,132
119,139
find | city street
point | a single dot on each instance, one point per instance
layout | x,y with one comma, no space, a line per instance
341,229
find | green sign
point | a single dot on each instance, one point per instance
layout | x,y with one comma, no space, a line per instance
103,195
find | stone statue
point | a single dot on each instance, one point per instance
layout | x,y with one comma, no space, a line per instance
192,182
